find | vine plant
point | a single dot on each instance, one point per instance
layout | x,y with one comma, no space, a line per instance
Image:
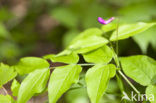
97,50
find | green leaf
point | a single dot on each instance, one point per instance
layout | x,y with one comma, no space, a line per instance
78,95
151,93
35,82
88,44
112,87
97,79
153,81
112,70
120,83
126,31
6,74
101,55
87,33
64,58
109,27
29,64
61,80
6,99
88,40
15,87
146,38
140,68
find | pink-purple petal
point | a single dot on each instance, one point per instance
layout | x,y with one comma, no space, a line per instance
102,21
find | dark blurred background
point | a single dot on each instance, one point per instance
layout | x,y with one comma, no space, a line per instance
39,27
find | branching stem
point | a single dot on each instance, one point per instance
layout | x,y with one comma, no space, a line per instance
118,62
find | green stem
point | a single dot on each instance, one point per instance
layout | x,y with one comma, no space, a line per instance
86,64
115,56
117,43
128,82
6,92
119,66
120,72
91,64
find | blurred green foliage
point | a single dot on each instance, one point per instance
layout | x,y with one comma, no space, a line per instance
46,26
39,27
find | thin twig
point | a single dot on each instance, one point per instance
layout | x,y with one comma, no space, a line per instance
6,92
117,43
128,82
86,64
118,63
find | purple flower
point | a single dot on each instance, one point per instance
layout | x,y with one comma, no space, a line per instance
102,21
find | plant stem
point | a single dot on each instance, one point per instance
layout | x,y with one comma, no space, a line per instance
86,64
6,92
117,43
120,72
91,64
115,56
118,63
128,82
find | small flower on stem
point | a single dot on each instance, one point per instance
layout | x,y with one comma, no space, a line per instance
102,21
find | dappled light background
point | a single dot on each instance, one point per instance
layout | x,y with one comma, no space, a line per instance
39,27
